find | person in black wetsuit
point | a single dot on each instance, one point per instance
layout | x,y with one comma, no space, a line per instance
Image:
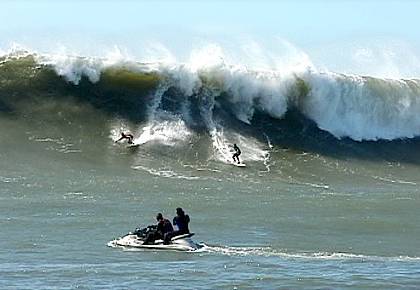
181,221
127,136
237,153
164,227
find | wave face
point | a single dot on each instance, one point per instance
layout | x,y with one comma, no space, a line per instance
215,96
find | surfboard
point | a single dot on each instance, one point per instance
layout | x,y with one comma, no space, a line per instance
134,145
239,165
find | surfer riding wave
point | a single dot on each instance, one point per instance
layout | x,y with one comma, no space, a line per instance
236,154
127,136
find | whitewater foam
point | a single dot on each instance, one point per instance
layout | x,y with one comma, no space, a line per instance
165,132
165,173
72,68
363,108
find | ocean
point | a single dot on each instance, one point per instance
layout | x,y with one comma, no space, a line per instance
329,197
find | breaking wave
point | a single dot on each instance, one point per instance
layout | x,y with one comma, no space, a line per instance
172,101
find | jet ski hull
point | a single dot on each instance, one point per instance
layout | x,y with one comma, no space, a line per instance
178,243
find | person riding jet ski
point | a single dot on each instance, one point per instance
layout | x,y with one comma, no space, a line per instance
161,236
163,229
181,221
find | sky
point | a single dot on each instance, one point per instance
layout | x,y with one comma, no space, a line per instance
368,37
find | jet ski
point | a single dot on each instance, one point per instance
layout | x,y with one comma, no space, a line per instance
136,240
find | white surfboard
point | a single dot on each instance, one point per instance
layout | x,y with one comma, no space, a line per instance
239,164
236,164
134,145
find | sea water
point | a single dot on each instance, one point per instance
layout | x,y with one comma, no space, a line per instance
329,197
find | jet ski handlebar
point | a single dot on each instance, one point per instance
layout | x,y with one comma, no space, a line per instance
142,232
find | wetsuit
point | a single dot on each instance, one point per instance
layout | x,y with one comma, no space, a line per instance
181,221
164,227
237,153
129,137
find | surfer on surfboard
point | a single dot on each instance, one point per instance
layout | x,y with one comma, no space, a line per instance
127,136
236,154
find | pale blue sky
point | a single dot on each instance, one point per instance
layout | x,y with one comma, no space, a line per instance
330,32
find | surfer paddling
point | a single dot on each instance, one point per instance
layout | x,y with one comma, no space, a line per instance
236,154
127,136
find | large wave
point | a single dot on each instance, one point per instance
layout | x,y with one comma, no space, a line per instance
205,96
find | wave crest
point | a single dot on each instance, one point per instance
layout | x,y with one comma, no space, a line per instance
357,107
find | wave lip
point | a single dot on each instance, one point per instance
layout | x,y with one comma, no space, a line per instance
363,108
